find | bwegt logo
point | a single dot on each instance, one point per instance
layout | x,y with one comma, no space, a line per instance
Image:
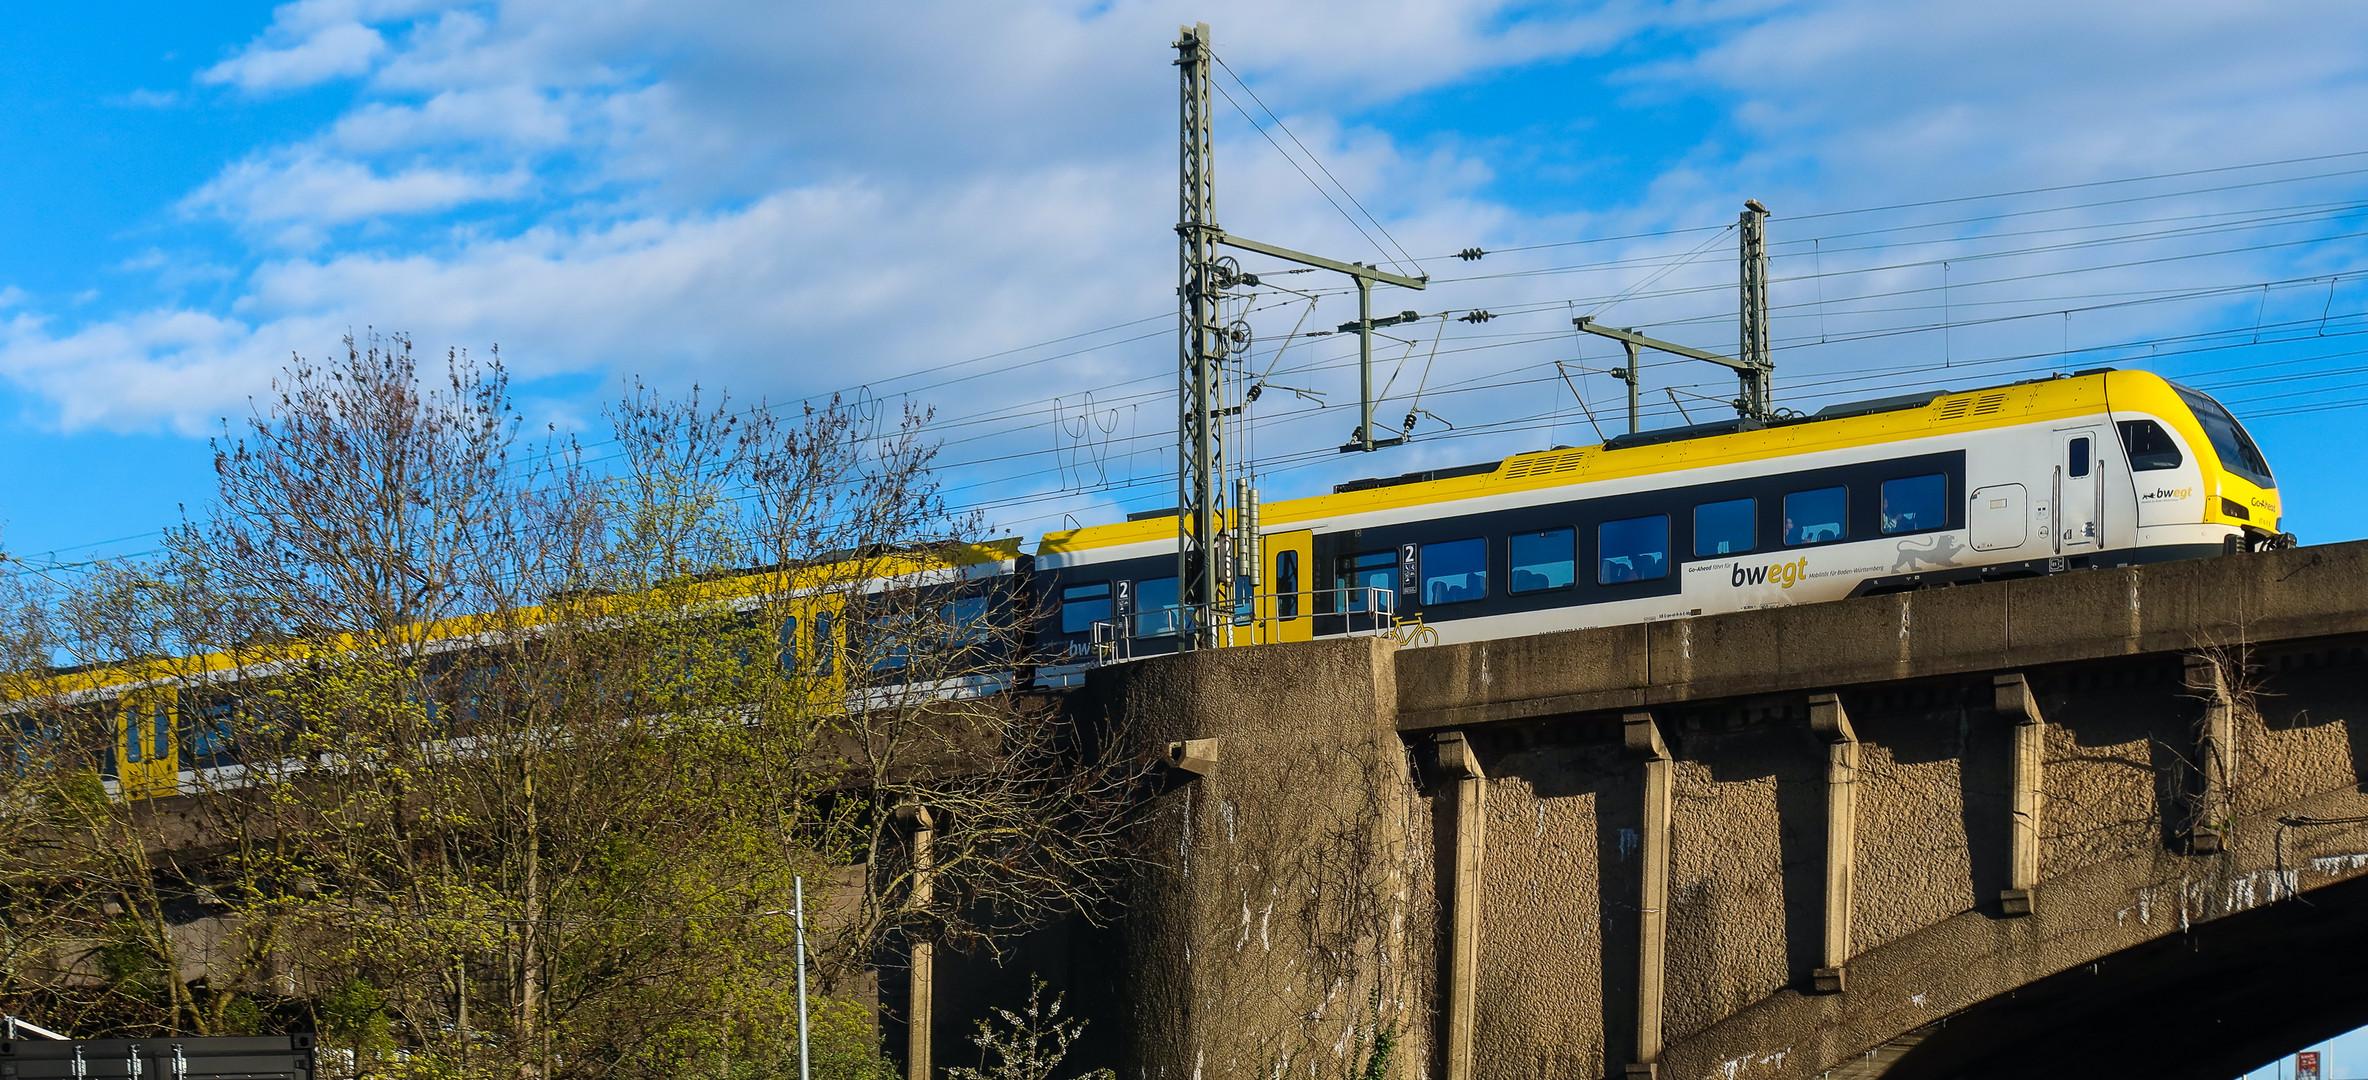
1781,574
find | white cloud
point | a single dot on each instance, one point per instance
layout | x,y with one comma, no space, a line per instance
783,199
329,52
1990,95
158,365
813,287
308,190
514,116
839,278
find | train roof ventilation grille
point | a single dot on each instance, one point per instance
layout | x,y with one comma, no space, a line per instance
1958,408
1546,464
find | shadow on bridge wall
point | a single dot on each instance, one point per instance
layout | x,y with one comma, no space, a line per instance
2141,957
2219,997
2208,1004
1557,982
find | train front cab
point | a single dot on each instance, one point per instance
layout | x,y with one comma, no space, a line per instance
2199,483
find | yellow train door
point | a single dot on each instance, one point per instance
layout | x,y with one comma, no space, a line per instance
147,762
819,649
1286,608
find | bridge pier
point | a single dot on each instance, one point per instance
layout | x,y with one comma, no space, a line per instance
1831,723
1286,917
1462,767
1642,738
2016,703
920,1021
2215,758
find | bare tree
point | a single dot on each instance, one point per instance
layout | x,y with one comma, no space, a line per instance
504,753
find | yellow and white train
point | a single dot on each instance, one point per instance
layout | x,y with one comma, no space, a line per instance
170,725
2103,468
2098,469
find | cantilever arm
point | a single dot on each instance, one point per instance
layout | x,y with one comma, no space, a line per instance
1352,269
1588,324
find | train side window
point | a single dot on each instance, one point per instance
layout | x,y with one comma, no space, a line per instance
1635,549
479,696
34,743
967,619
1726,528
212,734
886,640
2149,446
1286,585
1084,605
1158,611
2077,455
86,722
133,731
741,630
1542,561
1917,503
1455,571
422,694
1368,581
789,643
1816,516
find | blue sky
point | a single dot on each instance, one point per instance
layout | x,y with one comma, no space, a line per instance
971,205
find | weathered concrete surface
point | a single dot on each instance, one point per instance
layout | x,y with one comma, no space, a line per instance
2217,999
2093,614
1289,923
1321,808
2109,914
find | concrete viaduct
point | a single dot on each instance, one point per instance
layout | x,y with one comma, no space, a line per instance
2104,823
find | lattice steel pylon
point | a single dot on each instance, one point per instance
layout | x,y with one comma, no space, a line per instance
1202,572
1205,567
1760,366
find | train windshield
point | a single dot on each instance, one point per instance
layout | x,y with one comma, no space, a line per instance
2237,452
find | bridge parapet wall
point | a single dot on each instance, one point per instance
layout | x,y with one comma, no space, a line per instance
2166,608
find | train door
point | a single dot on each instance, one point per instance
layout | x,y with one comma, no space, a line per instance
1286,606
2079,497
811,644
147,761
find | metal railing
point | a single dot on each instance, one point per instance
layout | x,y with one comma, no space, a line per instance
1368,611
18,1027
